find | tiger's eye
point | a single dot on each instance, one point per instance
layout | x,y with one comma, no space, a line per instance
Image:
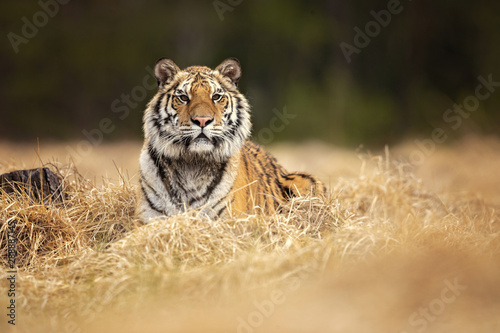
183,98
216,97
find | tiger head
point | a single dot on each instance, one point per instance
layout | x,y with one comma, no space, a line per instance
198,112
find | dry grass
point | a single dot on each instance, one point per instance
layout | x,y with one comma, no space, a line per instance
383,246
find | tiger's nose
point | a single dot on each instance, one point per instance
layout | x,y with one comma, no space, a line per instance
202,121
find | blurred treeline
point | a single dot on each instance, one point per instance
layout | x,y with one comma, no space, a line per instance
91,53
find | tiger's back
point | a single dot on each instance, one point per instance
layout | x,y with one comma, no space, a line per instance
264,184
196,153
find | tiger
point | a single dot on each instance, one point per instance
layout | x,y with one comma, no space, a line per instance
197,154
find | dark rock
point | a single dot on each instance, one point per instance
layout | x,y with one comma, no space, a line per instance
40,184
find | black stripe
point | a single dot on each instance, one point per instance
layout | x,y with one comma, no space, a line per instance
216,141
303,175
187,140
238,99
176,140
169,116
158,103
223,198
142,179
263,172
274,173
285,191
155,156
246,163
230,105
237,123
223,208
156,122
216,181
161,163
150,203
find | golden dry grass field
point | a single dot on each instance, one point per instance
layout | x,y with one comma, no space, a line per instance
393,248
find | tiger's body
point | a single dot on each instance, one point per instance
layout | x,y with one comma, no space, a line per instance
196,153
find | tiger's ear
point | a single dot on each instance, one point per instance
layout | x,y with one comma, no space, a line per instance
230,68
165,70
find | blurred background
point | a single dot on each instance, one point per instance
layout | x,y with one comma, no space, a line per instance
348,73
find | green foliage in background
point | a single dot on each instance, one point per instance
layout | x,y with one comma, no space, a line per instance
84,61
